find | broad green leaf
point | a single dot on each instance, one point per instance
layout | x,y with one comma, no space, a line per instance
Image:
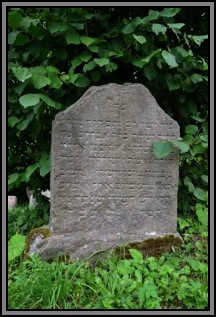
205,178
16,246
21,39
44,165
184,147
13,178
78,26
39,70
191,129
12,121
85,56
102,61
73,78
204,137
199,193
198,39
169,12
124,267
72,37
65,78
162,149
139,38
12,37
29,100
93,48
40,81
128,28
139,63
76,62
136,255
23,125
176,25
55,82
169,59
14,19
52,69
182,51
21,73
111,66
89,66
30,170
202,213
82,81
147,59
49,101
183,223
158,28
196,78
55,27
86,40
172,82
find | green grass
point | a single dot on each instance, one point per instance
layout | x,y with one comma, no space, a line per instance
176,280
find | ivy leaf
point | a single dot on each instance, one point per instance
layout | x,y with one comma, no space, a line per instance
21,39
111,66
128,28
12,121
196,78
23,125
52,69
136,255
139,38
191,129
162,149
13,178
176,25
76,62
30,170
184,147
86,40
57,27
198,39
49,101
158,28
40,81
72,37
149,72
73,77
169,12
55,82
29,100
44,164
169,59
85,56
12,37
199,193
14,19
102,61
205,178
82,81
89,66
93,48
21,73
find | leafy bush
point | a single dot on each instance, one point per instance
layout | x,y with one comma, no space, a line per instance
22,219
55,54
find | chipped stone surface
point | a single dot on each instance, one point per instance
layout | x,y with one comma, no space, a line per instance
107,187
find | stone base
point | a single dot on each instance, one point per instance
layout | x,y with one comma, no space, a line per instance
153,244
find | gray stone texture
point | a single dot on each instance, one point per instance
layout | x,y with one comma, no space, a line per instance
107,187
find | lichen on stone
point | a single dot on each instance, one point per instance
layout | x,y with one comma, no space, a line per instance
34,237
150,246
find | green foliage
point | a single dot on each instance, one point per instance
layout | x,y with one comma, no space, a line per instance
16,246
177,280
55,54
23,219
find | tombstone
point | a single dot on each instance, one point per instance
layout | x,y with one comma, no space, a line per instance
107,187
12,202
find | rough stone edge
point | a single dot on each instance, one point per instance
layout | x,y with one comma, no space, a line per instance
50,247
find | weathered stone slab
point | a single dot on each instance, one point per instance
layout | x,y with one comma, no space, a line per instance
12,202
107,187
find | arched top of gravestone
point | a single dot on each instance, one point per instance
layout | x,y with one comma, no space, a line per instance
105,101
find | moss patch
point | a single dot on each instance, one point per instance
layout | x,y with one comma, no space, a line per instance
44,232
149,247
